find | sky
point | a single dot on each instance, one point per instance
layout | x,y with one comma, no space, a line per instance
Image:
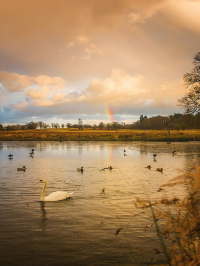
97,60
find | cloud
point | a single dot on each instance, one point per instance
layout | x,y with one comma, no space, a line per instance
72,57
123,93
13,82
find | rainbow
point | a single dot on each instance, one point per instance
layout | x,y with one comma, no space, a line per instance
109,113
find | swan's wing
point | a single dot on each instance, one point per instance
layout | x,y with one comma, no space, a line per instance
58,195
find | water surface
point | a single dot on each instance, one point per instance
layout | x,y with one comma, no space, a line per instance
99,224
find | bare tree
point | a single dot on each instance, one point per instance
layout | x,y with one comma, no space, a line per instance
101,125
40,124
68,125
80,123
191,101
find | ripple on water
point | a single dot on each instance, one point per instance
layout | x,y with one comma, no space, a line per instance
99,224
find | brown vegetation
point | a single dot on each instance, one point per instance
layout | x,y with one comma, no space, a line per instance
99,135
178,225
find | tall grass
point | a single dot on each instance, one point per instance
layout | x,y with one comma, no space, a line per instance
99,135
178,223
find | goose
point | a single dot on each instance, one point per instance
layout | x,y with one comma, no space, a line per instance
55,196
159,170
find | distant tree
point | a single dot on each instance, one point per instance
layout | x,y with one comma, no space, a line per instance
32,125
1,127
62,125
40,124
68,125
56,125
46,125
123,125
52,125
80,123
108,126
101,125
191,101
94,126
115,125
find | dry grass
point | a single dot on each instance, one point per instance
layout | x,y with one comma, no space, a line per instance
100,135
178,224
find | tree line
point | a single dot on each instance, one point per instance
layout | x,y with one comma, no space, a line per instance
171,122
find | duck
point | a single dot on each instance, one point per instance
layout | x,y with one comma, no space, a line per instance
101,169
10,156
173,152
159,170
21,168
55,196
80,169
148,166
154,155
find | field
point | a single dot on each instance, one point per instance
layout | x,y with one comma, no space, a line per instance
99,135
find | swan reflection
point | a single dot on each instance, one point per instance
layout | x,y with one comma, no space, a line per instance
43,217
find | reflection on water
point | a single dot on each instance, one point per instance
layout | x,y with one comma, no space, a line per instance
43,217
99,224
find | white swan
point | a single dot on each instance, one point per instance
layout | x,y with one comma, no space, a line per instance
55,196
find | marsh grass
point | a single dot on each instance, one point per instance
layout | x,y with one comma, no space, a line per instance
100,135
177,221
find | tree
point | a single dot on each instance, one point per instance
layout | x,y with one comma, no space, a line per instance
101,125
191,101
56,125
32,125
62,125
108,126
68,125
1,127
40,124
80,123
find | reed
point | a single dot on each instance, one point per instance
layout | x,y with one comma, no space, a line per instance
178,223
99,135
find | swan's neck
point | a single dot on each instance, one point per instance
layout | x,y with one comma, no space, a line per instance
43,192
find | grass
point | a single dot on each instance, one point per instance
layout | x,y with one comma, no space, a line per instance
178,223
99,135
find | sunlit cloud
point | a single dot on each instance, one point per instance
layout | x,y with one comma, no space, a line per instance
73,59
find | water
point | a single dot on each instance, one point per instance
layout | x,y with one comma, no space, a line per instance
99,224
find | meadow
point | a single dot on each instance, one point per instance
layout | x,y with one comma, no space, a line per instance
99,135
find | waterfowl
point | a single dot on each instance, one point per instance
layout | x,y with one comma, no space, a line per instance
80,169
21,168
148,166
159,170
173,152
55,196
110,168
101,169
154,155
10,156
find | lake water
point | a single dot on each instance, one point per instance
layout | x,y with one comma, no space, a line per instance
99,224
